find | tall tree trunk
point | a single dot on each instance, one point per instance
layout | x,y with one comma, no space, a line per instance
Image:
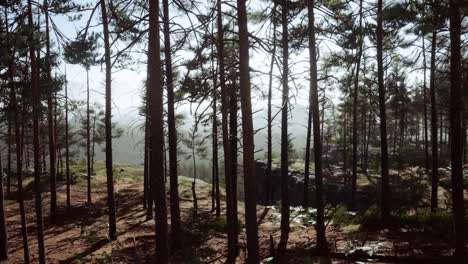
230,213
215,191
157,135
149,96
146,180
385,200
88,137
93,141
216,199
426,142
355,102
36,104
9,138
456,139
19,176
108,116
320,226
174,190
435,147
10,80
284,135
233,144
268,183
307,152
194,182
67,148
345,142
51,127
3,227
248,139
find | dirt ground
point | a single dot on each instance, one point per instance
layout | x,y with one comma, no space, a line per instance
79,236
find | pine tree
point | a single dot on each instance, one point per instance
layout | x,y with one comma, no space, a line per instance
320,226
385,200
36,104
284,134
247,137
109,171
174,190
158,189
456,139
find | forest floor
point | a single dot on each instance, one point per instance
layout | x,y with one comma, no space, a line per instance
80,236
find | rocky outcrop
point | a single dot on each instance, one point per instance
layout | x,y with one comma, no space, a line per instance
334,190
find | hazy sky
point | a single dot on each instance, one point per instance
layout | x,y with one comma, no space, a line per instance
127,85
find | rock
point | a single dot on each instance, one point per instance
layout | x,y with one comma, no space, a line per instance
334,190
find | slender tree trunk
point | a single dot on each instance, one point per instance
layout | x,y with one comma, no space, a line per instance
146,180
215,192
51,127
36,104
88,137
145,167
194,182
67,148
307,152
456,139
19,177
108,116
248,139
216,200
320,226
93,141
435,147
9,138
268,183
174,190
232,234
149,96
355,102
284,135
345,143
385,206
10,79
157,135
426,142
3,227
233,145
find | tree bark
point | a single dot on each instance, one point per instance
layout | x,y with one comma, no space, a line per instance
51,125
10,79
36,104
174,189
108,121
88,138
320,226
9,138
456,134
426,142
215,191
268,184
67,148
385,200
284,135
157,135
355,102
248,139
230,213
233,144
435,147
